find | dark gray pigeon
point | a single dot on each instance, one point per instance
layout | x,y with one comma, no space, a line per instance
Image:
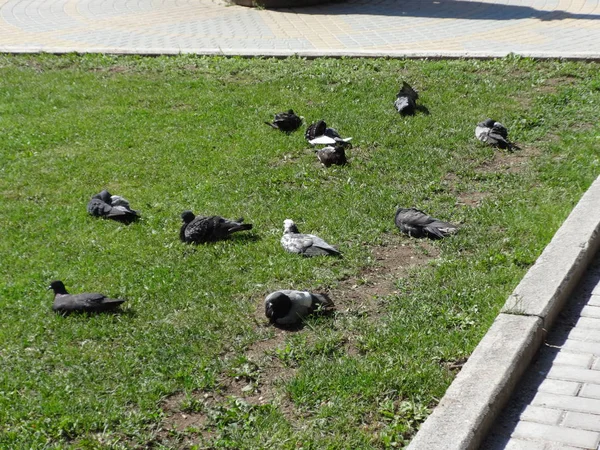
417,224
319,133
494,133
111,207
288,307
286,121
201,229
65,303
304,244
406,100
332,155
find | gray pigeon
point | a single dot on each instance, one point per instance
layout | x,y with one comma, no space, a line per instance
406,100
288,307
319,133
201,229
65,303
111,207
493,133
286,121
304,244
417,224
332,155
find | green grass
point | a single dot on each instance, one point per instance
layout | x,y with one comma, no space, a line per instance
186,132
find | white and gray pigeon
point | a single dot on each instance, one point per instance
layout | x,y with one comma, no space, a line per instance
304,244
286,121
65,303
111,207
318,133
416,223
332,155
493,133
201,229
288,307
406,100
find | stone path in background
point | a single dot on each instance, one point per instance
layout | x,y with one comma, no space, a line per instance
557,403
542,28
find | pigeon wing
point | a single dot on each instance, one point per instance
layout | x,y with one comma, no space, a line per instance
98,208
319,247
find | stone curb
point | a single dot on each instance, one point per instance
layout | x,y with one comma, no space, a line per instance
486,382
309,54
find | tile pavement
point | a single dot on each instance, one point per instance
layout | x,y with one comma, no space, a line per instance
432,28
557,405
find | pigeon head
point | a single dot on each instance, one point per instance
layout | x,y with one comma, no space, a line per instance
105,196
58,287
489,123
277,306
187,216
289,226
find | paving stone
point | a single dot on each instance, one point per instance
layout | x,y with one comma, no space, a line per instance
553,433
580,346
582,420
591,311
573,359
588,323
590,391
560,387
568,373
541,415
585,334
567,403
595,298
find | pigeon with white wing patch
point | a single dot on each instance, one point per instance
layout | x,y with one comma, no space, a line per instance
305,244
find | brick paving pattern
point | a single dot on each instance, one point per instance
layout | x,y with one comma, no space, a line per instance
563,28
557,404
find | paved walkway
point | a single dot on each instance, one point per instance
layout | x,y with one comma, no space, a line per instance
543,28
557,405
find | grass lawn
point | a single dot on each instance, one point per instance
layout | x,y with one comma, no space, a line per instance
191,360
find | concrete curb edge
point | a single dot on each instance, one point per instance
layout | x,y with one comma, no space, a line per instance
486,382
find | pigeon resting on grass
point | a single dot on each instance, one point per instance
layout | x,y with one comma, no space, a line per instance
304,244
65,303
318,133
287,307
111,207
201,229
417,224
332,155
406,100
494,133
286,121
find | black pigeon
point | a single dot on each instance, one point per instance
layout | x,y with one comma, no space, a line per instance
319,133
493,133
201,229
65,303
286,121
417,224
332,155
111,207
406,100
304,244
288,307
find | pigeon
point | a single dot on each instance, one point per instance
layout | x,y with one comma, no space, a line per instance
111,207
288,307
318,133
65,303
286,121
406,100
201,229
493,133
417,224
332,155
304,244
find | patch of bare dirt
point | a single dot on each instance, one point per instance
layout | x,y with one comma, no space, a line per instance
509,162
471,198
